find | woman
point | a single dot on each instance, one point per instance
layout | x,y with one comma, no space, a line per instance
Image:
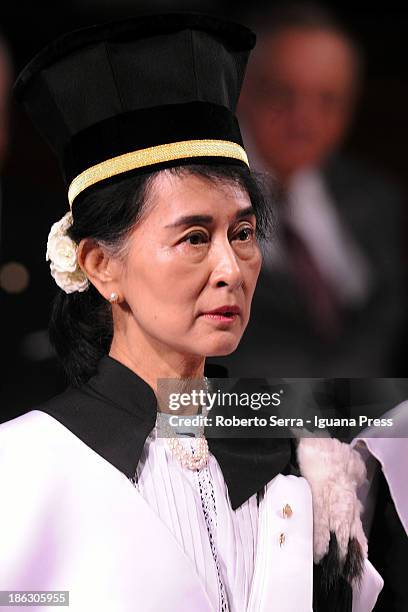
157,262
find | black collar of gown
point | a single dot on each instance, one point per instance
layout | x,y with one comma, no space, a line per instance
114,412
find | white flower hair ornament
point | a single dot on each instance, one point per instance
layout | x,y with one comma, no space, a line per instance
62,254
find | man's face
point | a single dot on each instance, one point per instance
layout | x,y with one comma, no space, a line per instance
299,97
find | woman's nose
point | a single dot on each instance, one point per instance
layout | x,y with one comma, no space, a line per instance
226,269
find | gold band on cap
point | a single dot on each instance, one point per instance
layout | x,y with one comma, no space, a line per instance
154,155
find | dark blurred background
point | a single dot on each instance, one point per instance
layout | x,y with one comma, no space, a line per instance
333,292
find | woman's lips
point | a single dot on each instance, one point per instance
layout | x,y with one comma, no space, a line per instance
225,314
218,317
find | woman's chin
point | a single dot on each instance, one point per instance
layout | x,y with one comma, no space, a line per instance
223,347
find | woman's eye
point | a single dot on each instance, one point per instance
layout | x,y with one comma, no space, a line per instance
245,234
196,238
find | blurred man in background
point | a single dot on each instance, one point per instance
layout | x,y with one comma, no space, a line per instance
329,299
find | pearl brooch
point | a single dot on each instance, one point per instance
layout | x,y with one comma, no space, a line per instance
192,461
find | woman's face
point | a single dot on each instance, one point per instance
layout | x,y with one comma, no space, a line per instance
193,252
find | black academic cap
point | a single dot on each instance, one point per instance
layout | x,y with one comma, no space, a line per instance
141,94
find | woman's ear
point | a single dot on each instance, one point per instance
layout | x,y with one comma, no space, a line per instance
103,270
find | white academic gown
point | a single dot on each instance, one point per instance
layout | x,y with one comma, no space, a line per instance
71,521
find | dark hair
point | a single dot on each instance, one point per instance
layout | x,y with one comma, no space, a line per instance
81,326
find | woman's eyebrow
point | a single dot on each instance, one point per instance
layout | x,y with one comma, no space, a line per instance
208,219
191,219
245,212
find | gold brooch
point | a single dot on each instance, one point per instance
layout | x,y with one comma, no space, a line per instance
282,539
287,511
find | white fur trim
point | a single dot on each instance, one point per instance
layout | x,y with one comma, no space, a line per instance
334,471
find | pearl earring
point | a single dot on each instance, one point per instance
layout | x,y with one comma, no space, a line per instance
113,298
